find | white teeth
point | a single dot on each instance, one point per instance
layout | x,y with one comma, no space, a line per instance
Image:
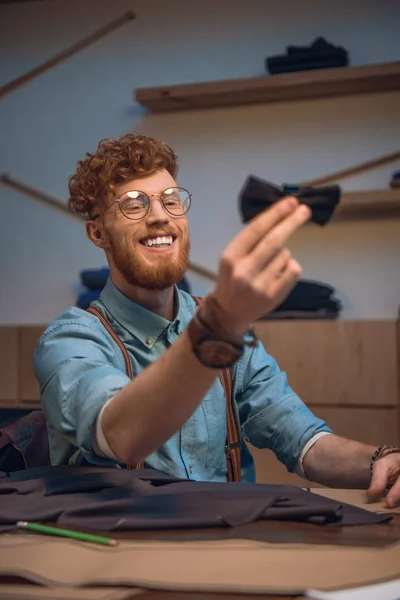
167,239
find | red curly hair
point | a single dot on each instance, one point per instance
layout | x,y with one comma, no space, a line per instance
115,161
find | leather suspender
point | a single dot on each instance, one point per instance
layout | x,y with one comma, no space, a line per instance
128,367
232,446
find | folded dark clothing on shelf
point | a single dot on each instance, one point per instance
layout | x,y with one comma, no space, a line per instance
147,499
95,279
320,54
86,298
289,65
257,194
322,313
308,300
310,295
395,180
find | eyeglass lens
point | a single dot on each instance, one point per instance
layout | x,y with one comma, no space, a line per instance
135,204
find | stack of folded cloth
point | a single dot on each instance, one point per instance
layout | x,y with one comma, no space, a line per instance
318,55
94,281
308,300
395,181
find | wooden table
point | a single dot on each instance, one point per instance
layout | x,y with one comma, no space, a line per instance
268,531
378,535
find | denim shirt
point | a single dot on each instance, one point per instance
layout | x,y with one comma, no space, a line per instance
79,367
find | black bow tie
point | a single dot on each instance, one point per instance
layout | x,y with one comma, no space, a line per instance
257,195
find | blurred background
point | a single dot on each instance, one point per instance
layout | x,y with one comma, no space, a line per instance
53,120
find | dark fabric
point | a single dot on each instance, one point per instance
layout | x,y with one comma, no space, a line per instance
11,459
85,299
256,195
310,315
310,295
395,180
308,300
95,279
146,499
28,436
320,54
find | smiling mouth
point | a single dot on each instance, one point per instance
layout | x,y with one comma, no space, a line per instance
162,241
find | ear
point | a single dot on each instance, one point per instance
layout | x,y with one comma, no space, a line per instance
95,233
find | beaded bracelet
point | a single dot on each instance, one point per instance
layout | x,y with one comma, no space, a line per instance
382,451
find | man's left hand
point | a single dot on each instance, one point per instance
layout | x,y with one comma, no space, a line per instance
386,472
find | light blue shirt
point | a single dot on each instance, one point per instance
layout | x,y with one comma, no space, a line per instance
79,367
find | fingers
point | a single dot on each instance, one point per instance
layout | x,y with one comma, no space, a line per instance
259,227
279,278
379,480
393,496
275,239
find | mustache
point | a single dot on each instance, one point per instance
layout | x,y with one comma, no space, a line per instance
163,231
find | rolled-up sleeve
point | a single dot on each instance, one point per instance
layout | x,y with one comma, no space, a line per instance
271,414
78,369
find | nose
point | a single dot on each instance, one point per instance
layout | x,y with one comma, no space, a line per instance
157,213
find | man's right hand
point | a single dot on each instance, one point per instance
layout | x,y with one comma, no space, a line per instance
256,271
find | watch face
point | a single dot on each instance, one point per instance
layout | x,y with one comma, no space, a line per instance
217,353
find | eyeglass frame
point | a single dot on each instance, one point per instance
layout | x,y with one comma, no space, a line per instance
177,187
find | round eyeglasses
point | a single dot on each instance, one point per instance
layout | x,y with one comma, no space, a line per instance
135,204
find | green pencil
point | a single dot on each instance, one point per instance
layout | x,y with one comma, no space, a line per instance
84,537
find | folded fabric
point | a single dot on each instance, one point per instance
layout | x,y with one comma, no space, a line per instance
95,279
395,180
25,440
322,313
86,298
320,54
310,295
277,66
256,195
123,499
308,300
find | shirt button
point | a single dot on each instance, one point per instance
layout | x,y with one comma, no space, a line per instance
148,341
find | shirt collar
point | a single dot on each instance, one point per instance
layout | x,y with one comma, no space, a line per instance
144,324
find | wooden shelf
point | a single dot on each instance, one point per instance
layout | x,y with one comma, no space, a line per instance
320,83
376,203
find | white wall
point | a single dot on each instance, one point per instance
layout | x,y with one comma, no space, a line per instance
47,125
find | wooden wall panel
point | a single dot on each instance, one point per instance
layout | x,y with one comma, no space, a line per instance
28,387
8,365
336,362
374,426
369,425
270,470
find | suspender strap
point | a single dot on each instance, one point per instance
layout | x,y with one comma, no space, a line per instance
233,445
128,367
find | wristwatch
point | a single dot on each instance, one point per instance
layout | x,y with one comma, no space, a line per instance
210,349
217,349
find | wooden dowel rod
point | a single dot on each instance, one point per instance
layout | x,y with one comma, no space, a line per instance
58,58
365,166
200,270
32,192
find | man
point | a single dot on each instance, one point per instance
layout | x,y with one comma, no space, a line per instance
172,414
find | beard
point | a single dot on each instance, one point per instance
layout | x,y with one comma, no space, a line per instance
135,271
